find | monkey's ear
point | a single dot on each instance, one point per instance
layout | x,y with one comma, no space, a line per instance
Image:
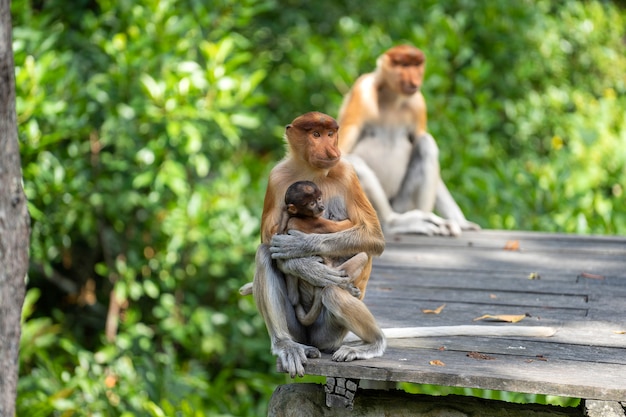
291,208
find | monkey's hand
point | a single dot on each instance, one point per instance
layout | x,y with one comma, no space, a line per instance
313,270
295,244
293,355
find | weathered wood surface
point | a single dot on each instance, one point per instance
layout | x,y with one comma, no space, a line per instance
581,291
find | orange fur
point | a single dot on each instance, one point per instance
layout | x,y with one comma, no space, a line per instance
386,96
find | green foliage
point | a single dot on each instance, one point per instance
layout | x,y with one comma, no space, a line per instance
131,117
148,129
516,397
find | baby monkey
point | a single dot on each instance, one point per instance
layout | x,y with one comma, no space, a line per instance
303,211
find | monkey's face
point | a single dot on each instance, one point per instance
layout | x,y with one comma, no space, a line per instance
315,207
315,137
404,69
324,151
309,202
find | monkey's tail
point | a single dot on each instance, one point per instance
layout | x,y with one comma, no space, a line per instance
246,289
463,330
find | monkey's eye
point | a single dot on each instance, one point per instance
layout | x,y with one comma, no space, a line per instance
316,134
312,204
330,133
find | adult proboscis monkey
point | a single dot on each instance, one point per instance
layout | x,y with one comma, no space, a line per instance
384,135
313,155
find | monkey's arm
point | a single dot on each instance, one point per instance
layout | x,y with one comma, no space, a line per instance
313,270
296,244
318,225
360,105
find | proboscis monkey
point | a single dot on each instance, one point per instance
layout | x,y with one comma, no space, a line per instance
313,155
384,135
303,211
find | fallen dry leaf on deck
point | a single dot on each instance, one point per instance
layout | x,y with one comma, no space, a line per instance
435,311
481,356
619,331
509,318
591,276
493,296
437,363
534,275
511,245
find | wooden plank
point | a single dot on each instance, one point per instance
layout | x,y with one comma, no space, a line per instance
535,349
581,292
485,297
525,261
505,372
497,239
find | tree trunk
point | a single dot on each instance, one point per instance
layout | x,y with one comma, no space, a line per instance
14,224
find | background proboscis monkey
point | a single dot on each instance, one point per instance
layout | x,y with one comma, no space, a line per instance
384,134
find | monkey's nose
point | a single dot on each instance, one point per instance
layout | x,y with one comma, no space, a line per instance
333,153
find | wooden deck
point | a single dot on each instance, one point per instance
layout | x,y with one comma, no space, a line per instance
576,284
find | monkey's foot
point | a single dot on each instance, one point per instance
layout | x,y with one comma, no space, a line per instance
354,291
293,356
467,225
365,351
420,222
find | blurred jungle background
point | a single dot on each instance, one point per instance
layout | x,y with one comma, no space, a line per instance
148,127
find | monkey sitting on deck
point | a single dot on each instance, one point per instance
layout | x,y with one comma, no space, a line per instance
313,155
303,211
385,137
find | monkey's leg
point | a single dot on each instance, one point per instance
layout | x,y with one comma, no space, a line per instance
422,188
354,266
280,319
419,186
409,221
292,289
448,208
347,313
